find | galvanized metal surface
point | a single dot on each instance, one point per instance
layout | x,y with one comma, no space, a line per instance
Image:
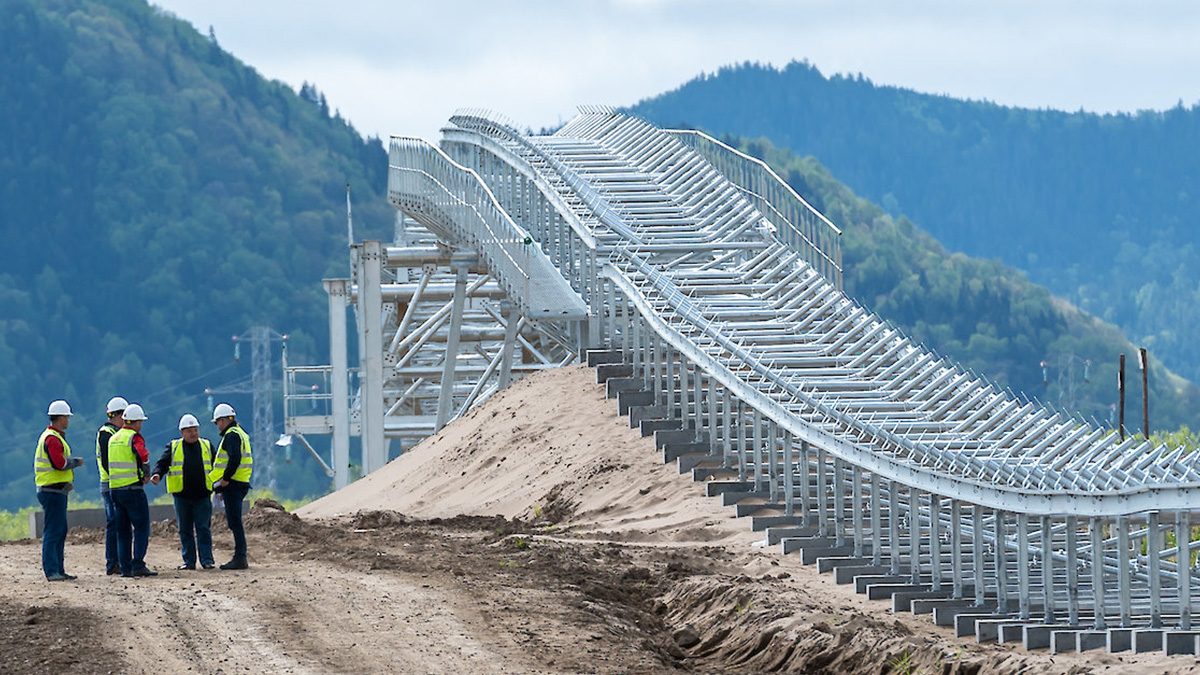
720,288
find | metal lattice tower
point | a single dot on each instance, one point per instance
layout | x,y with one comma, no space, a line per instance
261,388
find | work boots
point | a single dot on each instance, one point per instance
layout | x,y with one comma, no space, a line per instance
236,564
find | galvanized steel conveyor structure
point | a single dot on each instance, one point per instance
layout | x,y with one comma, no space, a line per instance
711,293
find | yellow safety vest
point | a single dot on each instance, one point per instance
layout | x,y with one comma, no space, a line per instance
245,467
110,431
44,472
122,460
175,474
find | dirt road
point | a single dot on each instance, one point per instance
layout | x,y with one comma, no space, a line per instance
382,594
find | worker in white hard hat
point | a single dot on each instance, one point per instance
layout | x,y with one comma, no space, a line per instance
187,464
115,408
54,475
231,471
128,471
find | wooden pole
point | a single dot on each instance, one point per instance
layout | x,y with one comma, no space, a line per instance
1121,397
1145,364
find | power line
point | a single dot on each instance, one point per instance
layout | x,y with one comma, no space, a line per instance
203,375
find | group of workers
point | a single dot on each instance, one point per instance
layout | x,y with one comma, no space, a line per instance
194,471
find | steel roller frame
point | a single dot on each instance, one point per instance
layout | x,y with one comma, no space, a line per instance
720,289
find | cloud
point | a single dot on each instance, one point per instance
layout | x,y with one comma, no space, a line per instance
404,67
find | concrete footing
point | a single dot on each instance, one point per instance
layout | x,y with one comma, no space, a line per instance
1119,640
1147,640
686,463
760,523
881,591
846,574
674,451
629,398
731,497
862,581
649,426
1180,642
825,565
1038,636
1087,640
747,509
927,605
902,601
988,629
964,622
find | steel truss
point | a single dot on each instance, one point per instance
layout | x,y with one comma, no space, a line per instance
720,290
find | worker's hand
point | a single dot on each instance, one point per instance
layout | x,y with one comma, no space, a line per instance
155,478
224,482
76,462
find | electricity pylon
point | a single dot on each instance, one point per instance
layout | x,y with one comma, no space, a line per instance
261,387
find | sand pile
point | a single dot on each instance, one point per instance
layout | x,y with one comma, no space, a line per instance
549,448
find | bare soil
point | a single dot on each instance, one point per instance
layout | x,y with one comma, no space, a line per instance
613,565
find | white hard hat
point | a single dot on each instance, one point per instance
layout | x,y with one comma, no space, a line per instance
116,404
134,413
222,410
188,421
59,408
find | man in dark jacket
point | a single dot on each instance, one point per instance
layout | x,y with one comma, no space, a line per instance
232,467
187,464
115,409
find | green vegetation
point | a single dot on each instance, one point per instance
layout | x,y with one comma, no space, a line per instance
15,524
902,664
1097,208
159,197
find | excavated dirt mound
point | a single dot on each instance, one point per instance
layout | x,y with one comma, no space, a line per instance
550,449
553,462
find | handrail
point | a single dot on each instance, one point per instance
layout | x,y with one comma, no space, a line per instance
1011,498
480,121
451,196
812,234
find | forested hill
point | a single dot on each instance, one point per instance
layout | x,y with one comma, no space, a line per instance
1098,208
981,313
158,196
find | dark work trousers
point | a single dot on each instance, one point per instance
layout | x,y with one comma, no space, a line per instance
195,529
111,564
133,528
54,532
234,498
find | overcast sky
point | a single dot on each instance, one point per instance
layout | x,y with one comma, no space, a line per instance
402,67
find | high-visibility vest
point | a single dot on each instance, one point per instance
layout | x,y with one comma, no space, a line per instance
105,430
44,472
175,474
245,467
122,460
